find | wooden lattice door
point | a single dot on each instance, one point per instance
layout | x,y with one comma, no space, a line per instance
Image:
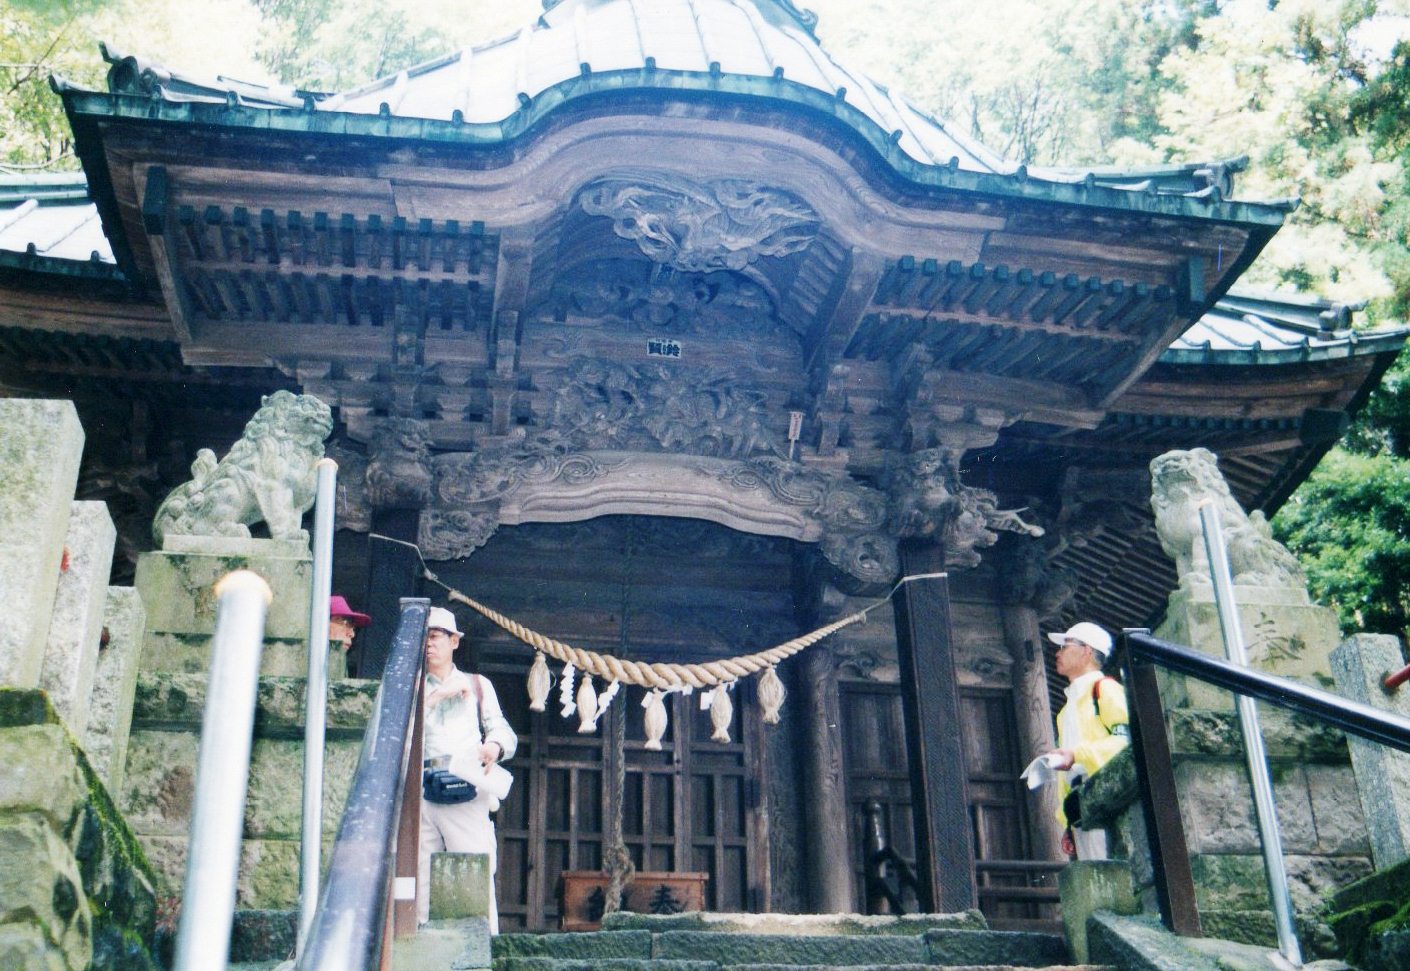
878,768
687,807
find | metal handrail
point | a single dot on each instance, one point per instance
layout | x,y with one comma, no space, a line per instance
1377,725
316,697
348,927
222,773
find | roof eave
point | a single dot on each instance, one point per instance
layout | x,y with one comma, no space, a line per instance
534,111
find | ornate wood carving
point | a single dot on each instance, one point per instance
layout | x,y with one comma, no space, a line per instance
725,224
928,499
666,301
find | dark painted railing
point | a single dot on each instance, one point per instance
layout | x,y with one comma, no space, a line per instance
882,896
1174,882
349,931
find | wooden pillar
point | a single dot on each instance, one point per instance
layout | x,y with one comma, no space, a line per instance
393,572
830,863
930,696
1034,716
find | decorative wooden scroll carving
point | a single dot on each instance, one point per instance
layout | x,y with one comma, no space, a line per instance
725,224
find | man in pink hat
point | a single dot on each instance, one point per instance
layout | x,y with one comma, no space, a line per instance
1092,727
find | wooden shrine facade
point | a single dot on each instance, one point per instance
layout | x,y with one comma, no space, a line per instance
677,341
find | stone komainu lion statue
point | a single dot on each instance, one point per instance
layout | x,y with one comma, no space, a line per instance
1179,481
268,475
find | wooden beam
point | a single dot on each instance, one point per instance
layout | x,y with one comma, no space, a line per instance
157,220
242,344
840,322
930,700
1031,400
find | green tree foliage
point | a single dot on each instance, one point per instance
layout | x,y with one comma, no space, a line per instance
1350,526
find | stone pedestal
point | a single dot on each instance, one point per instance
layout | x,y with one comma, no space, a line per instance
76,625
1382,773
114,684
41,443
1284,632
1087,887
178,586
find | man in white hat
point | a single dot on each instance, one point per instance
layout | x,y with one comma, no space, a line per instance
465,734
1092,727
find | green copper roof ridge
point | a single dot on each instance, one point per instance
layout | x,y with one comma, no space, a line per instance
533,111
61,266
1357,344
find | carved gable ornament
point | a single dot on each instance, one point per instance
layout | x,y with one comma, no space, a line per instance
726,224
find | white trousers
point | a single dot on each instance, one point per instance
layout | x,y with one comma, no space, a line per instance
1091,844
461,828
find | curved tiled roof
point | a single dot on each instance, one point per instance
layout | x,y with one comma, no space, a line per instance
761,48
47,223
1255,327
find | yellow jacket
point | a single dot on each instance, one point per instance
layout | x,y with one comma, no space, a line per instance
1094,730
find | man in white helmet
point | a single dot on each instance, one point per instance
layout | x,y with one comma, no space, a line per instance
465,734
1093,725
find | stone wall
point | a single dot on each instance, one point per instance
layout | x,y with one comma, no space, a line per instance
75,887
76,890
1325,841
159,785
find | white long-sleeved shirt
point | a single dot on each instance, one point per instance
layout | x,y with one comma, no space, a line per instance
452,726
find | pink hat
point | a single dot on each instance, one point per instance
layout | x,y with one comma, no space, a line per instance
338,607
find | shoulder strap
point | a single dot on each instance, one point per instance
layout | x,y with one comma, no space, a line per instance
1097,697
1097,688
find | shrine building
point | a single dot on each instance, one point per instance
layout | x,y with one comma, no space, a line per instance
662,332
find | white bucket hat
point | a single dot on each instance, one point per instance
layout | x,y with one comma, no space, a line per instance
442,619
1089,634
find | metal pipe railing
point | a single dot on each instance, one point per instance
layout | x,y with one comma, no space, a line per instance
348,927
316,697
1265,811
222,773
1383,727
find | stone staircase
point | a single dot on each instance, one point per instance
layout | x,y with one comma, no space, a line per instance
775,942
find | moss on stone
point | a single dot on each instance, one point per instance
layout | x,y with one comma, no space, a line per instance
25,706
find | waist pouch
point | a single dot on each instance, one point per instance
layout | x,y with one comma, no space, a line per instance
1072,807
440,786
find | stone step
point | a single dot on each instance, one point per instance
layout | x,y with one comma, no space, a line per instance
932,947
624,964
796,949
1024,949
586,946
608,964
814,924
263,935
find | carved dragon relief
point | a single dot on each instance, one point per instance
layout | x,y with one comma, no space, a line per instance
928,499
664,301
725,224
